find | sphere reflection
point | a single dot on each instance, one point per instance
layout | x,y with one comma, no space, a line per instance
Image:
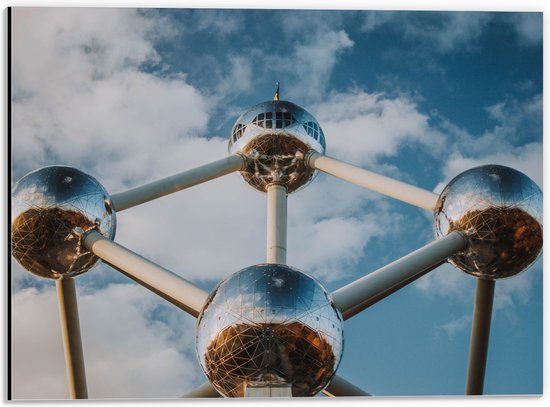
275,136
500,210
52,208
269,325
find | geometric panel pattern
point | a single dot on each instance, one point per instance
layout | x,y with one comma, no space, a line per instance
275,137
276,159
52,208
269,325
500,210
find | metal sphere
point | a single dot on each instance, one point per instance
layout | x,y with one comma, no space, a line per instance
52,208
269,325
275,137
500,210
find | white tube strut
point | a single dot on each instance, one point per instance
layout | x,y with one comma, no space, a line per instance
366,291
70,330
276,224
156,189
339,387
164,283
375,182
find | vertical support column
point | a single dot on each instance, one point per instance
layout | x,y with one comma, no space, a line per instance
479,341
70,329
276,224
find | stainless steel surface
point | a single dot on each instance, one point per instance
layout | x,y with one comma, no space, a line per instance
52,208
275,136
72,343
169,185
269,325
479,340
500,210
162,282
368,290
375,182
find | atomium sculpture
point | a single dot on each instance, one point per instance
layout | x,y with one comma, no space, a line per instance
270,330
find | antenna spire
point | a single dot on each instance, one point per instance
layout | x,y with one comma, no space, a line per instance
276,97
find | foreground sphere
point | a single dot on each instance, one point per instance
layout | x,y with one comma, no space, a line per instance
500,210
275,137
52,207
269,325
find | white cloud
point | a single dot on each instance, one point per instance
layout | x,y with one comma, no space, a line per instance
128,351
516,290
457,325
223,22
447,281
83,100
330,249
375,19
517,115
516,120
38,369
452,31
237,81
443,31
311,63
364,127
458,29
71,45
528,26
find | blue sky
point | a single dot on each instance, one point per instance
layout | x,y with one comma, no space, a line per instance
132,95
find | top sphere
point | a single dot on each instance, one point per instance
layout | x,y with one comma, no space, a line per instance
500,210
267,326
275,137
52,208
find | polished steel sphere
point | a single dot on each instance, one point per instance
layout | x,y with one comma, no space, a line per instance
499,209
271,326
275,137
51,208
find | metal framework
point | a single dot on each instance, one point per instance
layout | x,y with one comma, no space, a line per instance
348,300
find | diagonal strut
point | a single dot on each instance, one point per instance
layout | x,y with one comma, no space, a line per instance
366,291
162,282
375,182
156,189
